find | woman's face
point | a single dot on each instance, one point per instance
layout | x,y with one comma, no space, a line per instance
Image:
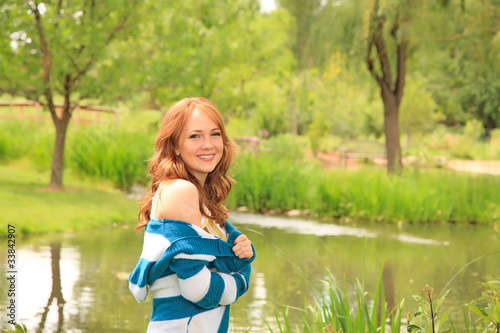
200,145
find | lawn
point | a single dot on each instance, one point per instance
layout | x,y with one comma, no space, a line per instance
27,204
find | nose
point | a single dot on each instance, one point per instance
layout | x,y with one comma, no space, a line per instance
207,143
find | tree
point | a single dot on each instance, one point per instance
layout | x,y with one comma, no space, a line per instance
253,84
224,50
325,27
391,81
190,45
63,50
469,71
305,13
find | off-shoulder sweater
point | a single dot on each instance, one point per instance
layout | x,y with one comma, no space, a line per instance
193,277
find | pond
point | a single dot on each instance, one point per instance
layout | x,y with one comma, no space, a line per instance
77,282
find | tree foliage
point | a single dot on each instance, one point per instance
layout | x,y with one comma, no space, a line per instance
288,70
61,51
458,49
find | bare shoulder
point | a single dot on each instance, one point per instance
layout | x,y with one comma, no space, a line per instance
182,186
179,200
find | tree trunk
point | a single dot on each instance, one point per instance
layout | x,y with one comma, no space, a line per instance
391,130
61,124
391,91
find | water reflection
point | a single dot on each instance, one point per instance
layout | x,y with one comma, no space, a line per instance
56,293
259,294
389,287
311,227
77,282
46,273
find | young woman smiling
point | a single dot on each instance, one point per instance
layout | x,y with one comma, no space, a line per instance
194,262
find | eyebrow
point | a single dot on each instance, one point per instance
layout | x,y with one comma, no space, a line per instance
212,130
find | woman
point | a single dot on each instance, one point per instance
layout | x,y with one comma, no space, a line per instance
193,262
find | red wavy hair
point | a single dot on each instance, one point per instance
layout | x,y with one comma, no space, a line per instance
166,165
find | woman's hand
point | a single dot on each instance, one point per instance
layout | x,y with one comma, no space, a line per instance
243,247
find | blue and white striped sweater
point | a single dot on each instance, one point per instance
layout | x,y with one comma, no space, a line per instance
192,275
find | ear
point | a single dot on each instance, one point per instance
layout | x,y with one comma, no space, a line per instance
177,152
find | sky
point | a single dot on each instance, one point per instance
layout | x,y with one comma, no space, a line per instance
267,5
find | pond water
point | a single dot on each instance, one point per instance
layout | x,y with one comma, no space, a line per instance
77,282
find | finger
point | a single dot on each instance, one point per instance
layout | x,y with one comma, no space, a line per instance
238,251
240,254
240,238
242,245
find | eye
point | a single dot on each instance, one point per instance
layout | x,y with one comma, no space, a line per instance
216,134
194,136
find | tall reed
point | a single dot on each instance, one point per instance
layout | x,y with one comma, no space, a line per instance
269,183
344,308
116,154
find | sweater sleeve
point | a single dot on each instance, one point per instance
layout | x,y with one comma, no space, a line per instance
208,289
233,263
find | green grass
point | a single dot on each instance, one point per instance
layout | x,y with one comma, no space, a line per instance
26,204
280,178
116,154
351,308
104,152
343,307
417,196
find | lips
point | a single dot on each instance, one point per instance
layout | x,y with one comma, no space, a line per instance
206,157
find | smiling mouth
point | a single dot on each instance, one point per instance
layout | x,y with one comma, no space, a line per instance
206,157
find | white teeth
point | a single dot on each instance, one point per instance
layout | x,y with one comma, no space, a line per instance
206,157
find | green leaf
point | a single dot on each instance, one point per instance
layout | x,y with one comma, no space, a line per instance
496,313
412,328
21,329
418,313
418,298
421,301
442,319
441,299
478,311
396,321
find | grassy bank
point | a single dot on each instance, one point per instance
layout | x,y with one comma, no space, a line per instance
275,183
26,204
105,152
281,178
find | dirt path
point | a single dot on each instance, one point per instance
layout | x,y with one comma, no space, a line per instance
489,167
331,160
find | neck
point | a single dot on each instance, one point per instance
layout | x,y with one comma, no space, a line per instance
201,179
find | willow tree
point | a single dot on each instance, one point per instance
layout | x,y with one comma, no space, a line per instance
304,13
390,77
369,31
63,51
464,70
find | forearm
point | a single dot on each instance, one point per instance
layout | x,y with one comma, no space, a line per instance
209,289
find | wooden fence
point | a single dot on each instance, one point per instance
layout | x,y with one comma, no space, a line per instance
77,117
